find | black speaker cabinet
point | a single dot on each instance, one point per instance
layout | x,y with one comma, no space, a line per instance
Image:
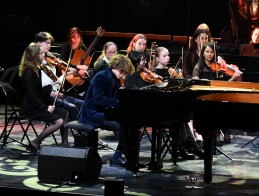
59,164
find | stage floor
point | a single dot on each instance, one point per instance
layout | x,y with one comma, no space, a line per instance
239,176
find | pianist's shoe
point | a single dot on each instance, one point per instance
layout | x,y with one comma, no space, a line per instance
185,155
117,162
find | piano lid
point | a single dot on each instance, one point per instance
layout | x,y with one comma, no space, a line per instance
219,85
172,84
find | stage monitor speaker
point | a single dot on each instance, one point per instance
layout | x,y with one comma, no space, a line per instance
59,164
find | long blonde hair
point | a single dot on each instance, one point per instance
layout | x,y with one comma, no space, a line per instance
30,59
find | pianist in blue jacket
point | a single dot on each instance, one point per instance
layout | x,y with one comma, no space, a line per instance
101,95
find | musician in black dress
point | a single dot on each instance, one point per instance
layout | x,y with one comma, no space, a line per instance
208,68
34,104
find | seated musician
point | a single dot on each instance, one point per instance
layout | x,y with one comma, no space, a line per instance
71,104
162,58
136,81
72,51
101,95
109,50
208,68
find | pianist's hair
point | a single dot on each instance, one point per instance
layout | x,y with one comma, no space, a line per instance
121,63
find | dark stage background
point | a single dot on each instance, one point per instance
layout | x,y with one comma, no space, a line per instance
21,20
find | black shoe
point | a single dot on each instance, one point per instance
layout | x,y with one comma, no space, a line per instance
185,155
33,149
198,152
117,162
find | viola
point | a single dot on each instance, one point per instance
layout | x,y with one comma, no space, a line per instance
222,66
150,77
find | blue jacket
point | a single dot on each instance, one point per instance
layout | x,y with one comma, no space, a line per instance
100,95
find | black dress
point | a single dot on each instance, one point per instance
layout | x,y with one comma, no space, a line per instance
33,104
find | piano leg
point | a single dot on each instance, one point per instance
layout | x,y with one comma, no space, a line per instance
208,142
155,162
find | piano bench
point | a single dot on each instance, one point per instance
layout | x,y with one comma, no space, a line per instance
86,136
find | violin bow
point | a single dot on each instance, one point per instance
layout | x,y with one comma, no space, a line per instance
215,58
63,79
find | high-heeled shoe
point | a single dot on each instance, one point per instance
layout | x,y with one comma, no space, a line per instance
33,149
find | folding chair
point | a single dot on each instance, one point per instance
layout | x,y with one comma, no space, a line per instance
12,117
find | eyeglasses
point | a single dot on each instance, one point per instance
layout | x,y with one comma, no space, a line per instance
111,52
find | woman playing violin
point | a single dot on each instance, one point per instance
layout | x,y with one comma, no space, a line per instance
162,58
142,76
208,68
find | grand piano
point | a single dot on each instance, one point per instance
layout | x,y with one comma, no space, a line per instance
212,104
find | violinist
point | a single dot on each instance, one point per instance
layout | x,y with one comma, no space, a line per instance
212,67
34,104
71,104
142,76
162,58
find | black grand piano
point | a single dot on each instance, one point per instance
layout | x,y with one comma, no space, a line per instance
213,104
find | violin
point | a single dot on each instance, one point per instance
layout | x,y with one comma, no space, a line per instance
74,79
49,73
122,80
222,66
54,61
150,77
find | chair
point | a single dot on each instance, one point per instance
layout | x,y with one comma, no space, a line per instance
12,117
